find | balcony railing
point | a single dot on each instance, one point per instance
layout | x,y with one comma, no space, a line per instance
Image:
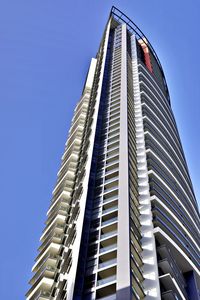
115,197
108,263
107,248
109,221
111,297
106,280
109,209
46,271
108,234
42,295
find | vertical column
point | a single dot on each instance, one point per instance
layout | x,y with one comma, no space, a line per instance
123,242
150,268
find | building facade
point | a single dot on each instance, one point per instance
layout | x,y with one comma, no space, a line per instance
123,222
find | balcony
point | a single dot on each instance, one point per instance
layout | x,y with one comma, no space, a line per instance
60,196
57,225
111,180
111,297
108,263
137,286
60,202
171,286
107,280
55,238
106,276
108,230
167,264
108,245
52,250
112,165
45,271
59,210
108,210
43,296
74,148
169,295
73,157
66,182
42,286
50,260
111,198
108,234
106,292
109,221
113,184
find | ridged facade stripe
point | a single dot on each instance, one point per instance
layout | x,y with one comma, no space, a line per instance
150,268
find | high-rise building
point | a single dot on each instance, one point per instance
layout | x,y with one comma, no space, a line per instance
123,222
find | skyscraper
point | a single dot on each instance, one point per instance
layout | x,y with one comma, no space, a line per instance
123,222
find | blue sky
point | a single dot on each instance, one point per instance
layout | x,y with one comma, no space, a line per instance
45,49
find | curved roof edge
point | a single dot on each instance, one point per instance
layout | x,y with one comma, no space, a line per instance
132,27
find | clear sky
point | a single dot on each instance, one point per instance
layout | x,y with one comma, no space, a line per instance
45,50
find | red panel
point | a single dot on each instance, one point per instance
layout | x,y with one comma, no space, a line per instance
147,58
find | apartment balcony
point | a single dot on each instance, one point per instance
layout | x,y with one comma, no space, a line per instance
109,221
66,182
109,186
108,263
73,148
106,292
107,280
108,172
67,261
137,286
111,198
53,237
136,256
112,179
80,112
169,267
41,287
52,250
62,209
57,225
49,260
111,192
171,286
63,191
136,250
108,210
167,264
112,146
111,297
170,295
71,234
45,271
136,268
77,135
42,295
108,152
69,165
108,245
107,276
61,196
77,126
108,234
108,231
112,165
